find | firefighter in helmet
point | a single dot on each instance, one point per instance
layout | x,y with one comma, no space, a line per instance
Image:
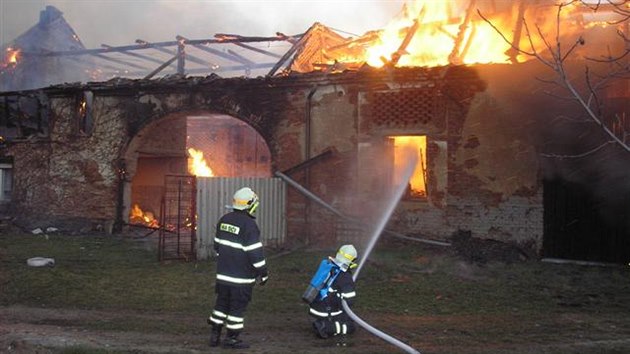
326,308
240,265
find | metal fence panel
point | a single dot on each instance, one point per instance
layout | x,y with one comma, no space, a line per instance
214,195
177,234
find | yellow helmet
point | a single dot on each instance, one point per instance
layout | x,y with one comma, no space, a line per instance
345,257
245,199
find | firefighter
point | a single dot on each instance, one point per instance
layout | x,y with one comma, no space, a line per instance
330,318
240,264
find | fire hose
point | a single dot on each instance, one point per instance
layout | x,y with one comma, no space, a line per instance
375,235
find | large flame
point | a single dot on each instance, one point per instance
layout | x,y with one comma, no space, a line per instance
403,145
197,164
434,33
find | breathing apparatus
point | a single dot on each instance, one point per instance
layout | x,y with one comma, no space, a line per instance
328,271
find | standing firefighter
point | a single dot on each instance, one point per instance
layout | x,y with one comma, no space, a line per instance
331,284
240,262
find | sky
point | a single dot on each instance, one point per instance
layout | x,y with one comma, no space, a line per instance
117,22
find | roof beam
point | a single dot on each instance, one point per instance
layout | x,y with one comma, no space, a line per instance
135,55
118,61
146,45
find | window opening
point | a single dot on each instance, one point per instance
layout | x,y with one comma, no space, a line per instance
6,182
86,121
417,186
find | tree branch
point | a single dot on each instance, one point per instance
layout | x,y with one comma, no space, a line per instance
558,58
584,154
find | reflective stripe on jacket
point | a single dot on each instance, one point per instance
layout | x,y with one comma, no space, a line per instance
237,241
342,288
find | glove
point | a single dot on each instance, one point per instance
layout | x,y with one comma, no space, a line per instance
262,279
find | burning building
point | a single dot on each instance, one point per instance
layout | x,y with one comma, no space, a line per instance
496,154
51,34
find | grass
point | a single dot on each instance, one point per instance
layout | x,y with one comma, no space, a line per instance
428,296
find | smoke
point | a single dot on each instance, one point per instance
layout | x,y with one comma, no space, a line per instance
122,22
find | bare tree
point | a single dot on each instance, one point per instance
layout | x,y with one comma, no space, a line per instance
559,54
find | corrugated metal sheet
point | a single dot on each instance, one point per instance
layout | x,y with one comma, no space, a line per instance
215,193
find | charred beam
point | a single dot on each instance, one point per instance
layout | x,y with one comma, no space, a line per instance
402,49
146,45
118,61
211,51
90,66
161,67
455,57
176,52
290,39
234,68
135,55
368,38
298,45
469,42
181,57
513,52
241,58
258,50
217,70
226,37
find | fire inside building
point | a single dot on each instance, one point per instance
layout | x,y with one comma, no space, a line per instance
499,155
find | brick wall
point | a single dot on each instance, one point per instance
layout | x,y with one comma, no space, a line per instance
482,173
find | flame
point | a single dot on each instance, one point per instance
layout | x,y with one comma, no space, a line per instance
11,57
435,33
82,108
402,146
197,164
138,216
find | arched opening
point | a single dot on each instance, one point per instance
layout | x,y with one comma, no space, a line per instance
189,143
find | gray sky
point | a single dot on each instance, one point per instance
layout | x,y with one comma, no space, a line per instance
117,22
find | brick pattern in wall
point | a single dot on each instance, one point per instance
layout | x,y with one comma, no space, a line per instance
405,108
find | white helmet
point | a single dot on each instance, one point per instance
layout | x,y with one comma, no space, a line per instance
345,257
245,199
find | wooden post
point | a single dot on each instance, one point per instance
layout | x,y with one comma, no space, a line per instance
410,33
456,56
513,52
181,56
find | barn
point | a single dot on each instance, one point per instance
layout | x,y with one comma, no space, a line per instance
493,154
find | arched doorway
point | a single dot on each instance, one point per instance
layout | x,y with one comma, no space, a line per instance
189,143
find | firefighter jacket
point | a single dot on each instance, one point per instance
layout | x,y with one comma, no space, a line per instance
240,253
341,288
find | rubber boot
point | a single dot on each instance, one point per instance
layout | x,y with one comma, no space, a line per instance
341,340
232,341
215,335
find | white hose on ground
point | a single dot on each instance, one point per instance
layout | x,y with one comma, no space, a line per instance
384,336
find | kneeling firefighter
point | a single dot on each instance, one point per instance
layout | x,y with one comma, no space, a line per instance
331,284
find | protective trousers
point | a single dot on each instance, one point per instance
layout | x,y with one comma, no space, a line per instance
230,306
334,326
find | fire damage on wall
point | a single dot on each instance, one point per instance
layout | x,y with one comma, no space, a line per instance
497,156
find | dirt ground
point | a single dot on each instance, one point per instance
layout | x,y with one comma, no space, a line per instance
37,330
41,330
585,321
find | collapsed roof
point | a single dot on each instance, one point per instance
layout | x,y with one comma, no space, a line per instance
51,52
